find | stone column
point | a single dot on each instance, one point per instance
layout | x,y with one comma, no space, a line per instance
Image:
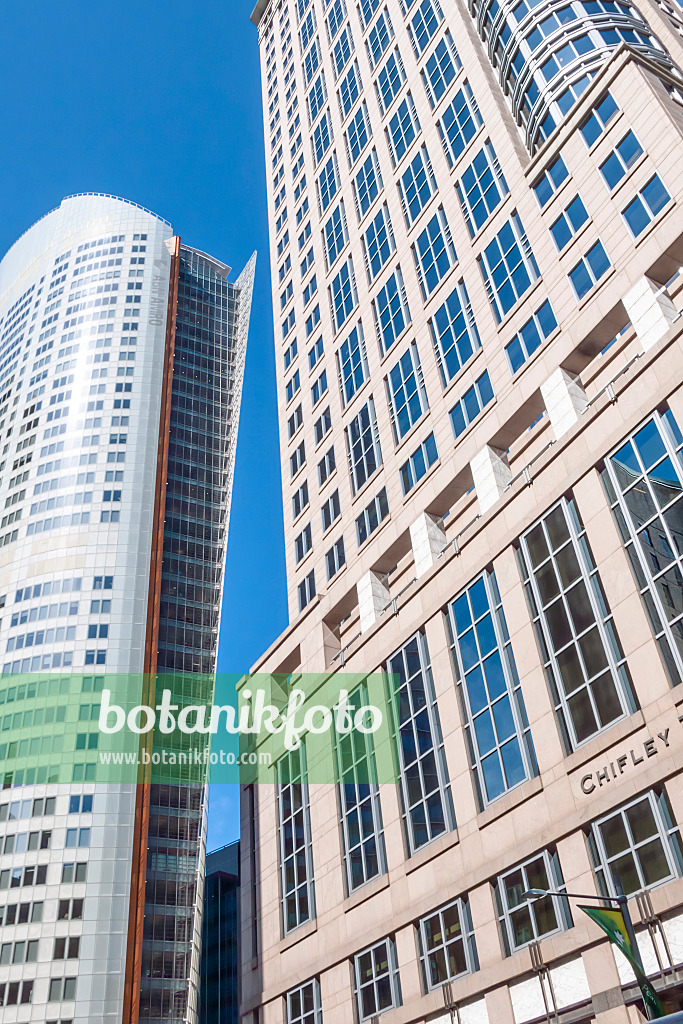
564,399
491,474
428,540
373,597
650,310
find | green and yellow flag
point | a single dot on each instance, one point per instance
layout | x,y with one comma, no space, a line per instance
611,920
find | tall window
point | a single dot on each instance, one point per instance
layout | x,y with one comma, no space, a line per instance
361,816
403,129
447,948
350,89
434,252
378,242
389,80
454,333
392,315
579,645
342,51
644,482
459,123
303,1004
294,835
328,183
496,724
335,234
362,442
371,516
508,267
406,391
424,24
322,137
640,845
417,185
375,979
523,920
441,68
367,184
343,294
426,801
379,38
531,336
352,364
481,188
357,134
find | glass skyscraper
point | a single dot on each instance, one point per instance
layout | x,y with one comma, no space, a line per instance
122,357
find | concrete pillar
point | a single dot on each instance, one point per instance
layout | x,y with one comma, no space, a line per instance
650,310
428,540
373,598
491,474
564,400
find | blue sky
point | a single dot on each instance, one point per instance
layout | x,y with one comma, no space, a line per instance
160,103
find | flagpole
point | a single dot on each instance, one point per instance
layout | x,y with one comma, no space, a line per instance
626,914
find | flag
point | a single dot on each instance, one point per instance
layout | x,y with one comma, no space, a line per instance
611,920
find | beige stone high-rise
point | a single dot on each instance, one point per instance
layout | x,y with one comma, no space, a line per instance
476,241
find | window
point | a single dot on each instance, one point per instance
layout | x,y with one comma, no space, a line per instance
306,593
362,443
335,17
620,160
342,50
389,80
61,989
352,364
434,252
406,392
441,69
508,267
322,138
292,386
343,294
361,815
651,198
531,336
371,516
77,837
568,223
303,543
412,471
290,354
307,263
378,242
350,89
19,952
471,404
297,459
74,872
300,500
589,270
375,979
315,354
326,466
580,648
335,234
287,325
459,123
316,97
66,948
312,61
366,10
403,129
417,186
392,314
330,510
286,295
312,321
16,992
424,24
481,188
307,30
294,834
552,178
426,803
454,333
335,558
593,127
328,183
322,425
523,920
499,740
644,484
379,38
319,388
446,939
357,134
367,184
310,289
639,844
303,1004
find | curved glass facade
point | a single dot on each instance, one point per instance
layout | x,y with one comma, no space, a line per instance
545,52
